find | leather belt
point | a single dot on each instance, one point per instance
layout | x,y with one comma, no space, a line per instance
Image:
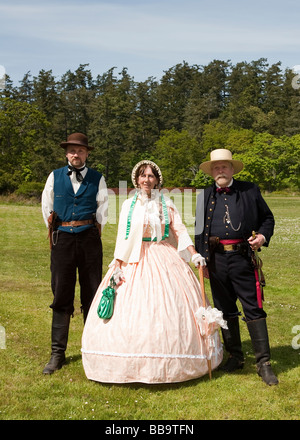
76,223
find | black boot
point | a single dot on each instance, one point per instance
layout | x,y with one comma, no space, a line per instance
233,345
60,331
85,311
260,341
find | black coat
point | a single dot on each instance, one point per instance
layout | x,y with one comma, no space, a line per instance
255,214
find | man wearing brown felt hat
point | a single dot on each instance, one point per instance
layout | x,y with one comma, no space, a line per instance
74,206
226,215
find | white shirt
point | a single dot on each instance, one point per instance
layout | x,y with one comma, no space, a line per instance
101,197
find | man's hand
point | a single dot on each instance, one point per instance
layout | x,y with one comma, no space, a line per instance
256,242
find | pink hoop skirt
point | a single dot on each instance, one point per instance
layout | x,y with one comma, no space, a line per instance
153,335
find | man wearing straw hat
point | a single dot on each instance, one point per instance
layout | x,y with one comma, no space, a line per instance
74,206
226,217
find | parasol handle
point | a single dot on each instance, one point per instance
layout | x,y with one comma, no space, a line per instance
201,278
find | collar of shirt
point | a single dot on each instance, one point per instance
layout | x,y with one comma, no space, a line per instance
73,179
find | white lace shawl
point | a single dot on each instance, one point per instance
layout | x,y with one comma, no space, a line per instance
147,211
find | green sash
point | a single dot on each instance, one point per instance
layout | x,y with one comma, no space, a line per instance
165,212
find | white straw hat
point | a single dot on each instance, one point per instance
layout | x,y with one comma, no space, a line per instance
218,155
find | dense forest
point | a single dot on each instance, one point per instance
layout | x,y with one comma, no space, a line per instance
251,108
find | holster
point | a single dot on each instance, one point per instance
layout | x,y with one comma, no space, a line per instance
52,224
213,243
98,225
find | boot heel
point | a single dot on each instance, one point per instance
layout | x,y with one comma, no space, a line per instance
266,373
56,363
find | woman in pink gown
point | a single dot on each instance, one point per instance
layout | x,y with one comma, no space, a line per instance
153,335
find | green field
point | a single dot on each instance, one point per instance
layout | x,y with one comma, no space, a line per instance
25,295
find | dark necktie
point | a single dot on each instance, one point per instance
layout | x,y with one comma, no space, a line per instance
223,190
77,171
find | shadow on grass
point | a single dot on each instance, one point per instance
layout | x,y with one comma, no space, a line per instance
73,359
283,359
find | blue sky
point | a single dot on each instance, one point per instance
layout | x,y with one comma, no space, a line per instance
148,37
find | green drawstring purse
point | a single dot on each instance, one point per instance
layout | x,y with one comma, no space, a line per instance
106,305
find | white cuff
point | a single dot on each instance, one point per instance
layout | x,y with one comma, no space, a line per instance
184,241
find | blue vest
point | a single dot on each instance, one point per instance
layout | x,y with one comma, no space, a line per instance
70,206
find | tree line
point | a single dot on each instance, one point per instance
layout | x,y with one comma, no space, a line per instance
250,108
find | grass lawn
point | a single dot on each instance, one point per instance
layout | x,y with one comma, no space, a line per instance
25,320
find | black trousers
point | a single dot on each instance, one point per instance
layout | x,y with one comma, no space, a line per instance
72,252
232,277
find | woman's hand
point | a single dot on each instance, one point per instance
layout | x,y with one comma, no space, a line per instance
198,260
118,274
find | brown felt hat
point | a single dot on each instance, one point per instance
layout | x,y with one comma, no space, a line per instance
77,139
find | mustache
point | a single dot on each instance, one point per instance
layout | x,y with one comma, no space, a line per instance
221,175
